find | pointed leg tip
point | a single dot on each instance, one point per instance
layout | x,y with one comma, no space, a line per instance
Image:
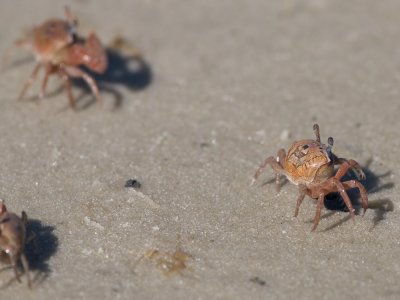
29,282
364,211
315,225
73,106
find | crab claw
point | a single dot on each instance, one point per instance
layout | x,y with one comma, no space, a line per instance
95,54
361,175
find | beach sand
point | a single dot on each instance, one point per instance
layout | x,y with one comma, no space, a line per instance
222,85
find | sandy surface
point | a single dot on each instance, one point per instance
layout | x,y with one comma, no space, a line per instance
225,84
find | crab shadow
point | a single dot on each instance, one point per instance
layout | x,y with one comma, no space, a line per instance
373,183
41,248
133,73
282,182
380,207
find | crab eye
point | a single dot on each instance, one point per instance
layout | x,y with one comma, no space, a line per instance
52,25
51,28
305,147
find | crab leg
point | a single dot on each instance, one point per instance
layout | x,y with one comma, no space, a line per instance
318,211
363,192
341,189
276,164
25,265
300,198
30,80
67,86
78,73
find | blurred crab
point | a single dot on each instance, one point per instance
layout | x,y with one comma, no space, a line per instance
309,164
59,50
13,239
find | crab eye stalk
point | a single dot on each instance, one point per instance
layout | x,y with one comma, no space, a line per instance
330,143
316,131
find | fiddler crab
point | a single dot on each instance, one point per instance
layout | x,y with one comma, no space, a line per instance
13,239
59,50
309,164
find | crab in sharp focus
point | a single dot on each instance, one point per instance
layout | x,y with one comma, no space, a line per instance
309,164
13,239
59,50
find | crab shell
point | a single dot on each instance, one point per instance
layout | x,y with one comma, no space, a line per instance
308,162
50,37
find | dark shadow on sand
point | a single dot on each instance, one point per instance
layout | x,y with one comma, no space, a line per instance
43,246
373,183
133,73
381,207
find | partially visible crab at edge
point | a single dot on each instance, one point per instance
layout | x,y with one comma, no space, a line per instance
309,164
13,239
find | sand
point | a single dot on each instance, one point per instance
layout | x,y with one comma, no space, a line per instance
223,85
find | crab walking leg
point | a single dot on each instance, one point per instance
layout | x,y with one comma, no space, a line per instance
30,80
318,211
44,85
277,168
300,198
25,265
49,69
78,73
263,166
281,163
341,189
261,169
24,261
68,88
276,164
15,267
281,156
363,192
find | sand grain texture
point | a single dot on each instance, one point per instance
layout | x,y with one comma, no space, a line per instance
226,84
